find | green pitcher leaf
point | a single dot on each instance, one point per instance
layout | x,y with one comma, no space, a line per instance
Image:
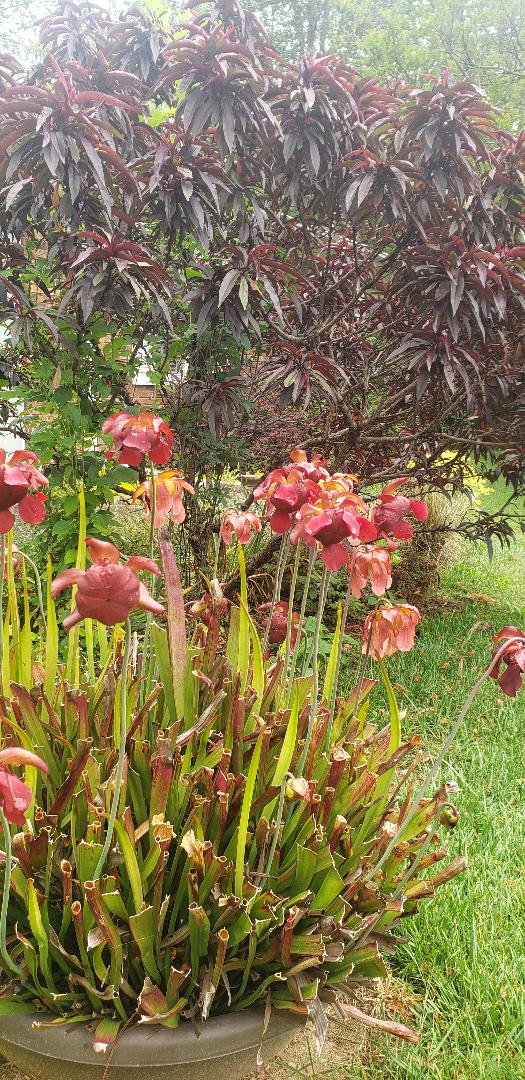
106,1034
331,667
159,638
10,1006
245,814
51,649
176,622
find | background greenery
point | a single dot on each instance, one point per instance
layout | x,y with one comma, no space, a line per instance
483,40
461,978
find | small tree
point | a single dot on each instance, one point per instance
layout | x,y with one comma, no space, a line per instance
271,239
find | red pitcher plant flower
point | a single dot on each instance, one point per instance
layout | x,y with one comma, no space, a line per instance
390,629
109,591
315,468
374,564
20,479
513,657
279,622
340,484
390,515
169,486
331,522
15,796
139,436
287,489
242,524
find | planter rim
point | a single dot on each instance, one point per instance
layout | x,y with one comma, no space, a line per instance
223,1036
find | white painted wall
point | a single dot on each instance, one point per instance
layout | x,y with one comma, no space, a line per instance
10,442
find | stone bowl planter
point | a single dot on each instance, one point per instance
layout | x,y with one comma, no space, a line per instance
227,1045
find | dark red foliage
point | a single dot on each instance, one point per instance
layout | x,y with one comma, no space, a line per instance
317,241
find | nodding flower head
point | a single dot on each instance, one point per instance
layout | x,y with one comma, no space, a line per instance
390,629
169,487
242,524
315,469
513,657
20,479
110,590
287,489
389,516
332,522
278,627
139,436
374,564
15,796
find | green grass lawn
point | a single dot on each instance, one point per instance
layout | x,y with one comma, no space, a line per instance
463,970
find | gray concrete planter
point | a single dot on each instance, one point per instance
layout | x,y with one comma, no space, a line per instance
227,1044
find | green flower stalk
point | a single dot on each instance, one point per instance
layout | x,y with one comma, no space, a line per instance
9,963
289,678
119,772
291,598
279,574
38,582
315,665
333,700
147,631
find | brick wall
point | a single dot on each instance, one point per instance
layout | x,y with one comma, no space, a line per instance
143,396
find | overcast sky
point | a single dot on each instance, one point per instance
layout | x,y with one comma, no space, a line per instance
19,21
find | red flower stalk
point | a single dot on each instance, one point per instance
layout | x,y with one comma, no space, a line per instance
511,678
390,515
331,522
169,486
374,564
19,480
139,436
389,629
241,524
15,796
279,623
108,591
